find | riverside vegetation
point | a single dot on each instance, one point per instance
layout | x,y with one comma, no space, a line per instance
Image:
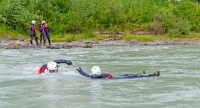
74,20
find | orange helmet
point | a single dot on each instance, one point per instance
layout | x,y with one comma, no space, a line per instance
45,24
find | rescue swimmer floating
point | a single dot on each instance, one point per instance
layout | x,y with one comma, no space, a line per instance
52,67
96,74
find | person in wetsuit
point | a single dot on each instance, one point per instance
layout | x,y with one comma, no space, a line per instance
96,74
52,67
33,32
41,29
47,34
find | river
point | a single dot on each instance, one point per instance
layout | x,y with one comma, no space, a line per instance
177,87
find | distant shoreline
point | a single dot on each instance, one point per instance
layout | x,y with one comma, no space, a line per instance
22,43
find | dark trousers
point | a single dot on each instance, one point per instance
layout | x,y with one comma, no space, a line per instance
48,38
41,36
126,76
33,35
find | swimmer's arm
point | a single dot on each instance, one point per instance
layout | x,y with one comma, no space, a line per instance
101,76
68,62
82,72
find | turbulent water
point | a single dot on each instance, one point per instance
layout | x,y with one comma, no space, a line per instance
177,87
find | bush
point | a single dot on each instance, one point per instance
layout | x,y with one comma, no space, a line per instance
139,38
88,35
182,28
80,16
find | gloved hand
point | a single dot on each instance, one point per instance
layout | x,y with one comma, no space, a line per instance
82,72
68,62
79,69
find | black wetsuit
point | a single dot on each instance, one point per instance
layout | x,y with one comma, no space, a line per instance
33,34
41,29
68,62
47,35
109,76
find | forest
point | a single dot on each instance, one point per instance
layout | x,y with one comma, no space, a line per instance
79,16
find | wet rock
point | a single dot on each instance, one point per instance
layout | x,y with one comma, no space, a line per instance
87,46
52,47
58,46
66,46
133,42
33,46
22,43
146,43
88,42
110,39
12,46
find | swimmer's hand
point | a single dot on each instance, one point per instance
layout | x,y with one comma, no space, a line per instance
79,70
68,62
82,72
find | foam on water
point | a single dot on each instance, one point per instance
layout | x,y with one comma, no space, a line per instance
21,85
71,73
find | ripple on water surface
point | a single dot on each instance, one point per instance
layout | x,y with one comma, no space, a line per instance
178,86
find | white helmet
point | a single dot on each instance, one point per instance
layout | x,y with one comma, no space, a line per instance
96,70
43,22
33,21
52,65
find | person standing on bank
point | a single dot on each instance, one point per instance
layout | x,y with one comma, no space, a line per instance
47,34
41,29
33,32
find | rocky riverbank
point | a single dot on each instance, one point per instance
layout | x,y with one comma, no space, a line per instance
22,43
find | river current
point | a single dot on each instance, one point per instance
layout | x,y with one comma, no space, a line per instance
177,87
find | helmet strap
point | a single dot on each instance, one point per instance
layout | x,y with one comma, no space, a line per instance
51,71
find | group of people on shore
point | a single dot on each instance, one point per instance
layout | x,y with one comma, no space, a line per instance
44,33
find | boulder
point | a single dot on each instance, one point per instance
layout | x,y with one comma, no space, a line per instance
87,46
52,47
20,38
66,46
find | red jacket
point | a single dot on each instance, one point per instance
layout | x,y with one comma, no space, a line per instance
42,69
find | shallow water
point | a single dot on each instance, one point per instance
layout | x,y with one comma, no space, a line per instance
177,87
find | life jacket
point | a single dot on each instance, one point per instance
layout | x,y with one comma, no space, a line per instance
41,27
42,69
46,29
33,28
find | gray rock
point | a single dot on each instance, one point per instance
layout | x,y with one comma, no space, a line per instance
87,46
5,38
88,42
133,41
20,38
66,46
53,47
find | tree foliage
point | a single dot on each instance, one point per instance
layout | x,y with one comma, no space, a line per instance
77,16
